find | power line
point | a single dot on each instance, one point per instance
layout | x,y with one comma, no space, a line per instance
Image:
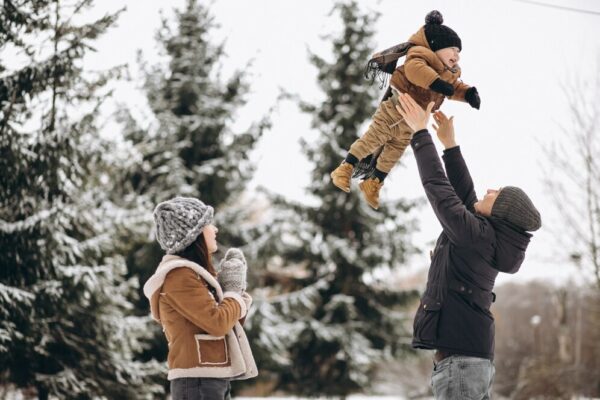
579,10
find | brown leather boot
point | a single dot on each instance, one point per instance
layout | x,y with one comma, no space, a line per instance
370,188
341,176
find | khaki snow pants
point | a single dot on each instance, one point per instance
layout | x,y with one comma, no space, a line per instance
387,129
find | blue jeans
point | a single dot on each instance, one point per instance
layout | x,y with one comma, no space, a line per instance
200,389
461,377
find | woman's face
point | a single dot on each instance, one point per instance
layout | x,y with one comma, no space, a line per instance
210,236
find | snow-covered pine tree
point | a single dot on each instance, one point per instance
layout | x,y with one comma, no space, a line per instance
65,329
326,321
190,148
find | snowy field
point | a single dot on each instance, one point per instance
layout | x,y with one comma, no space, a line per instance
354,397
19,396
363,397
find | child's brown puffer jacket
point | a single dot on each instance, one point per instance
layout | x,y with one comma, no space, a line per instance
421,68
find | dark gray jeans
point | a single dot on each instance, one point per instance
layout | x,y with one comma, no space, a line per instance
461,377
200,389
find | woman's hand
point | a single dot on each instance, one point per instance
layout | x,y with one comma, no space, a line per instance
232,271
444,129
413,114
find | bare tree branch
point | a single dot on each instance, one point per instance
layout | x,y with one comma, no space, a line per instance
573,176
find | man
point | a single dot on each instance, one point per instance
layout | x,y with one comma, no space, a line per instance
480,238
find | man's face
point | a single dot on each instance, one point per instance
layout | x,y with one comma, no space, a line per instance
484,206
449,56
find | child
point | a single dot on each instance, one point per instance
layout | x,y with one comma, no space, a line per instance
430,74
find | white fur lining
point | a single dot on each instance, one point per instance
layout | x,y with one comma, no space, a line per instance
202,372
251,369
168,264
240,300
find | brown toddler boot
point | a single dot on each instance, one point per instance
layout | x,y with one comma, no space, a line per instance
370,188
341,176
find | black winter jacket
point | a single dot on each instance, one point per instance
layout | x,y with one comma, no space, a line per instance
454,313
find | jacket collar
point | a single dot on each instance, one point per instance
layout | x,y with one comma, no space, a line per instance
511,244
170,262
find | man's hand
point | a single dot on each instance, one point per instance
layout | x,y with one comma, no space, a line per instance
413,114
444,129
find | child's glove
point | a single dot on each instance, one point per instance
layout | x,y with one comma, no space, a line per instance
472,97
232,271
442,87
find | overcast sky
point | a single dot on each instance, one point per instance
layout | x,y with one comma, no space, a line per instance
519,55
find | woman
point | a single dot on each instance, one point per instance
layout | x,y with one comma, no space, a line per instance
199,309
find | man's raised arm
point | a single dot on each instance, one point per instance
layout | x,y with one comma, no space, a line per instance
456,168
461,225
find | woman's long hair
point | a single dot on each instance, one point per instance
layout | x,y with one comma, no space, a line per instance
198,253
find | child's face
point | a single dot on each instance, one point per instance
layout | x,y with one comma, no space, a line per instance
449,56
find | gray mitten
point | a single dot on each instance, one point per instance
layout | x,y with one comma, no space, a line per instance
232,271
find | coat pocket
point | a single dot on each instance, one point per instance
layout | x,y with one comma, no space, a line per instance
212,350
427,319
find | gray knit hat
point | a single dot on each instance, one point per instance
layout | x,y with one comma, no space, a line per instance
179,221
513,205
